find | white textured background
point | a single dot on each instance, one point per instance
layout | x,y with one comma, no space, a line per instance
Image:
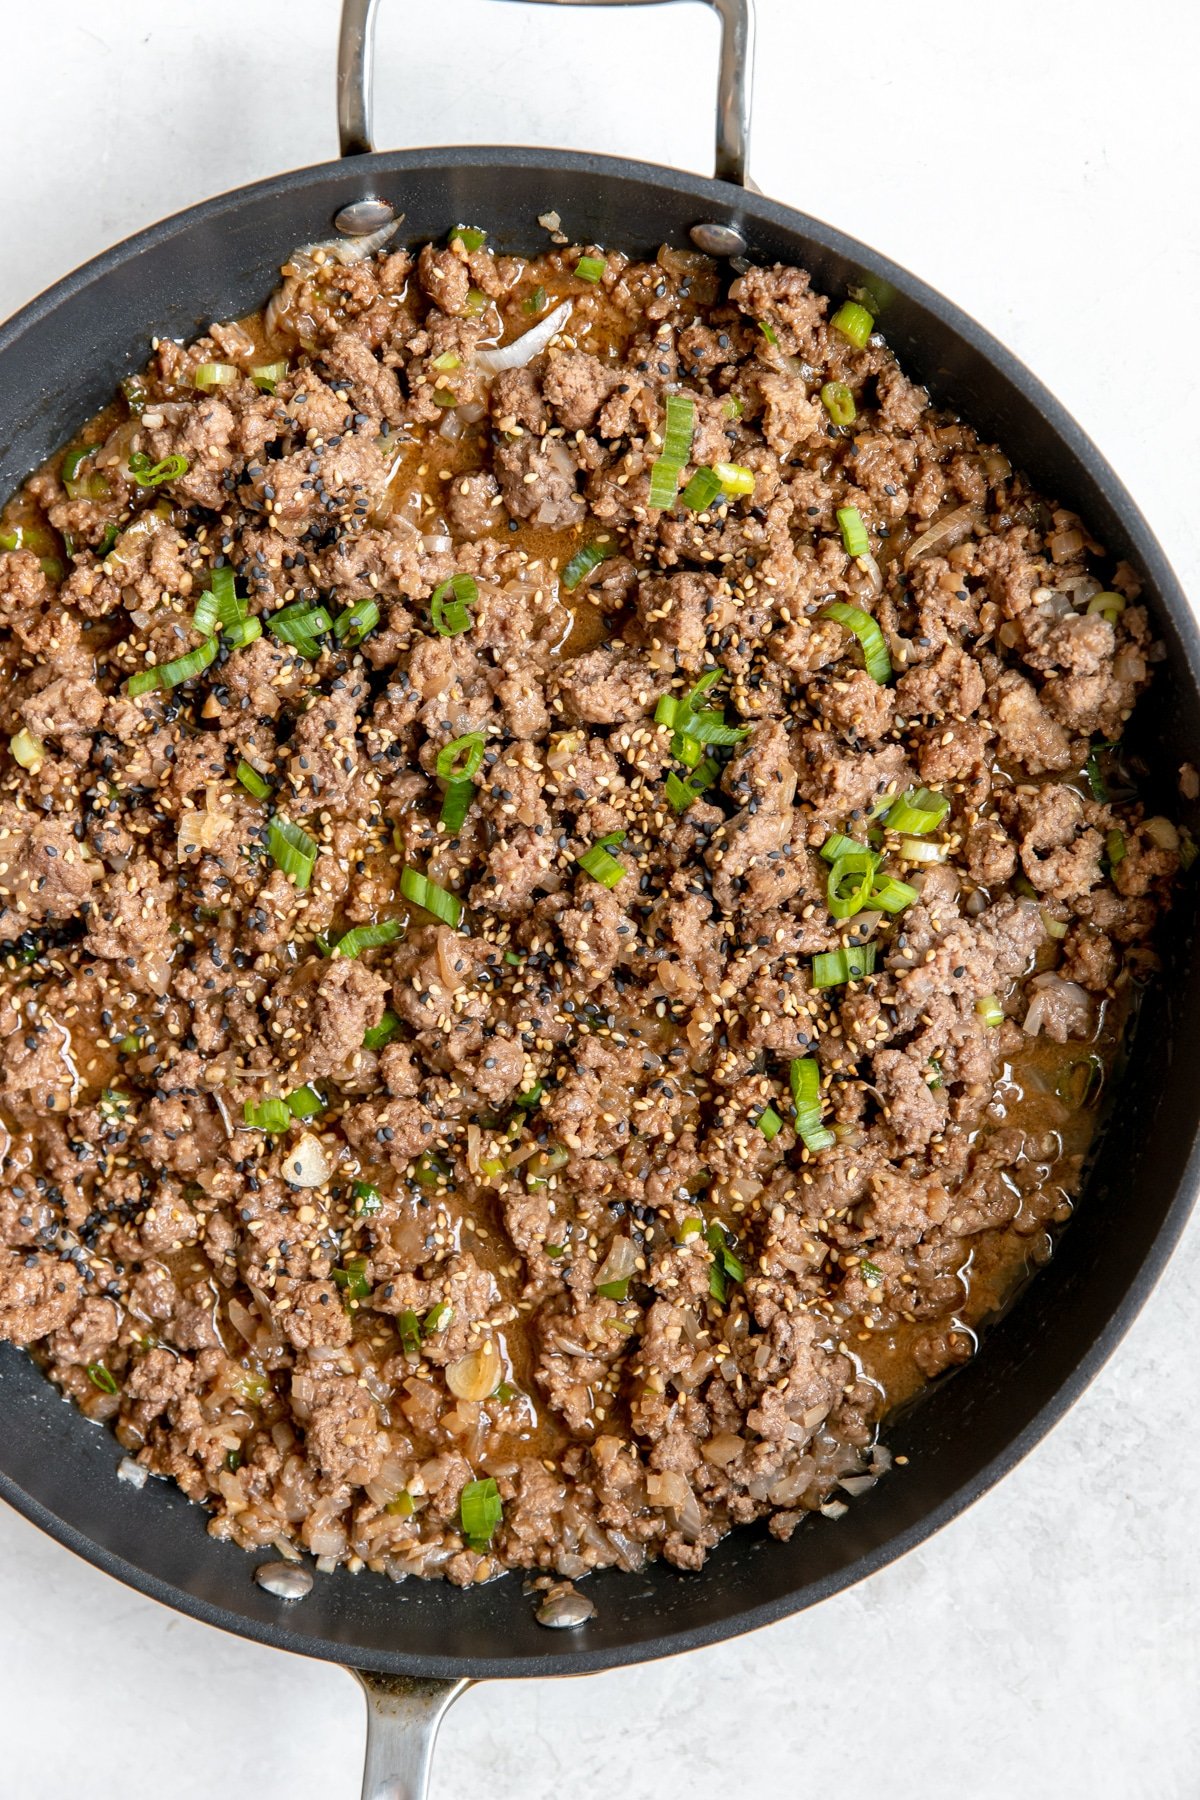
1037,162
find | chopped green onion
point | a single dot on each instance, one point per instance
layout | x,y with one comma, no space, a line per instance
100,1377
252,781
768,331
915,849
368,937
456,804
219,605
438,1316
854,322
1188,849
243,633
701,490
171,674
1114,847
854,532
535,302
891,895
933,1078
469,236
585,559
73,461
300,625
597,861
28,750
449,614
804,1075
409,1328
367,1200
545,1163
148,474
291,849
267,1115
265,375
352,1278
446,363
305,1103
443,396
833,967
682,793
480,1509
376,1036
459,760
875,651
917,812
837,844
1094,771
614,1290
351,627
531,1096
724,1262
689,1229
838,402
769,1123
92,486
403,1506
858,869
677,447
1110,606
710,728
434,899
590,268
214,374
870,1274
735,478
990,1010
477,302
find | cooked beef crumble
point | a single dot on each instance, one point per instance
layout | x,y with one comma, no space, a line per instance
490,1235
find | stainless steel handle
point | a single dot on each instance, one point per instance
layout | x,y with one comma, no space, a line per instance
356,59
403,1716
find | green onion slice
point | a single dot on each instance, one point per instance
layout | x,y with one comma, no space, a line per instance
368,937
701,490
677,447
244,632
805,1078
838,402
480,1510
438,1316
837,844
469,236
854,322
866,630
148,474
1109,605
291,849
891,895
990,1010
376,1036
300,625
171,674
352,1278
267,1115
830,968
265,375
456,804
854,532
735,478
102,1378
917,812
590,268
425,893
409,1327
252,781
1114,847
585,559
600,864
531,1096
449,602
769,1123
304,1103
849,882
219,606
459,760
768,331
367,1199
351,627
724,1264
214,374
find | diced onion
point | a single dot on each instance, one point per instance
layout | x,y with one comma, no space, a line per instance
476,1375
305,1164
531,343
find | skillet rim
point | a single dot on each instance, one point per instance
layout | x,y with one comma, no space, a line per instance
721,200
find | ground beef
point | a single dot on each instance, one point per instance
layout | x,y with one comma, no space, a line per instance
400,1012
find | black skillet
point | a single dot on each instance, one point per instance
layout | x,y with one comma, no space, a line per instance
418,1645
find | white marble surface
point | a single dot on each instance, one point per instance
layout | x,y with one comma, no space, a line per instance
1049,1642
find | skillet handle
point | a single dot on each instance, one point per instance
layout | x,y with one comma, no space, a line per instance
403,1716
356,56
